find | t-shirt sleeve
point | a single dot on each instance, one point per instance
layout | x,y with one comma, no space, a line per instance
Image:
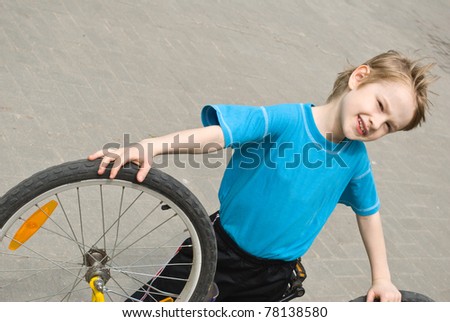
243,124
361,193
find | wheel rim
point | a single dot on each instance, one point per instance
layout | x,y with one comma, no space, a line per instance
138,228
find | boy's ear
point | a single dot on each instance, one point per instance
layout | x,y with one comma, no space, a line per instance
358,75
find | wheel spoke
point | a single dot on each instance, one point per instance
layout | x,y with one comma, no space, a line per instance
81,220
69,223
146,234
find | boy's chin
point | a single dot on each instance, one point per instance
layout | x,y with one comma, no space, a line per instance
350,135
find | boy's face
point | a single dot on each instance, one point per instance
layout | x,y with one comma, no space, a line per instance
370,111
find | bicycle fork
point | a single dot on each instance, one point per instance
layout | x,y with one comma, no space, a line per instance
97,286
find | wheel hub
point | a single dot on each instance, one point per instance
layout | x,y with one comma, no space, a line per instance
95,260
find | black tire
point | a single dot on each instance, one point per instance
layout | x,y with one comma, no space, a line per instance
175,195
407,296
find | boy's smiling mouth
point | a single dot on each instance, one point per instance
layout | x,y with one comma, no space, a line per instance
361,127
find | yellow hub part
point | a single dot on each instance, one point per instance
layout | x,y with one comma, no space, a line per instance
97,296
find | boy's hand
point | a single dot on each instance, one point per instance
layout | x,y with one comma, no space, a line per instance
137,153
384,291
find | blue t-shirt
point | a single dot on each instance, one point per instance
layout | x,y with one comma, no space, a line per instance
284,178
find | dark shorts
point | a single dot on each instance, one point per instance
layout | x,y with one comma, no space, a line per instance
240,276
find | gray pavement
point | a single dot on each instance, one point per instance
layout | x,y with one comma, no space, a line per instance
75,75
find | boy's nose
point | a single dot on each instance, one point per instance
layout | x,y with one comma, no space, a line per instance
376,121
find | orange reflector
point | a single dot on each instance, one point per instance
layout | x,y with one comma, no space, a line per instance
32,224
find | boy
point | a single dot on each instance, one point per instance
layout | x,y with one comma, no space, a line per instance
292,164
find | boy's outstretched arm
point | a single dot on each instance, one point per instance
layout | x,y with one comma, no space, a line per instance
372,234
200,140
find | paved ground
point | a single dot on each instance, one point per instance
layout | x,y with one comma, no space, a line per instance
75,75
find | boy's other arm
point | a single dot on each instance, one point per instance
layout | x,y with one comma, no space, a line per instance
200,140
371,231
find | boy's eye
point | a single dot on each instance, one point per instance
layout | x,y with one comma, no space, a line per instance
380,105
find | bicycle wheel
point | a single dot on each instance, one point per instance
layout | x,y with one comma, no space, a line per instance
407,296
66,224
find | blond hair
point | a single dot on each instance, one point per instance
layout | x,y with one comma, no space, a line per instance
393,66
